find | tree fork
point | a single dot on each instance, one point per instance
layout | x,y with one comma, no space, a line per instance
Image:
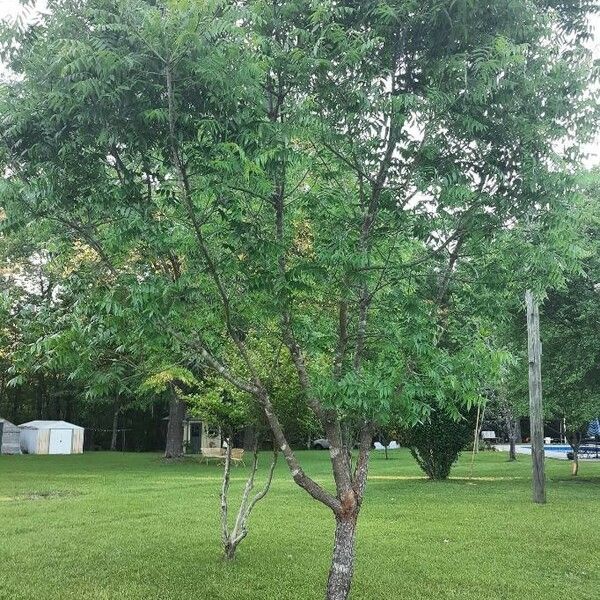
231,538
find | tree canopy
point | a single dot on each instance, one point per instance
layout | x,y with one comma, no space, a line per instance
339,181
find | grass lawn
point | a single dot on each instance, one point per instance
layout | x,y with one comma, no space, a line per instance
119,526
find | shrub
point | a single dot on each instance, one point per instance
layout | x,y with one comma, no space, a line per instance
437,443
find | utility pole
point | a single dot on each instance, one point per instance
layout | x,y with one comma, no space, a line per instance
536,413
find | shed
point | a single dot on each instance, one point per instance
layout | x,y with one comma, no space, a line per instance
51,437
198,435
10,436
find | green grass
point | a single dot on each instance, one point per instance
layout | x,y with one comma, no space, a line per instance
116,526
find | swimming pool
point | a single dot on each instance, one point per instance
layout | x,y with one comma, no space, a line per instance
554,447
557,451
562,450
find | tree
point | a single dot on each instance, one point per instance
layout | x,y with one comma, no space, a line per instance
223,405
504,411
31,385
302,174
568,332
571,337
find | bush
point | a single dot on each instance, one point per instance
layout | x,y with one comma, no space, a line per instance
437,443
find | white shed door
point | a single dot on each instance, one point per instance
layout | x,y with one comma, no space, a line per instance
60,441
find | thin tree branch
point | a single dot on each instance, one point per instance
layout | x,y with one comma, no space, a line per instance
224,493
187,196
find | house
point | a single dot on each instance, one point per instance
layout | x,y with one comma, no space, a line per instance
51,437
10,438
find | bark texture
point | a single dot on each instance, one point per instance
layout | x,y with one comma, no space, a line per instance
512,450
536,413
511,425
115,427
342,563
575,440
575,464
174,444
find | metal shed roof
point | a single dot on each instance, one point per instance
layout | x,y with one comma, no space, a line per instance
49,425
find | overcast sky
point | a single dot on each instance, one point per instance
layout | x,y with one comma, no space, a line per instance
11,8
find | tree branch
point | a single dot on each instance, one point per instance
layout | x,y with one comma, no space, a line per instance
187,196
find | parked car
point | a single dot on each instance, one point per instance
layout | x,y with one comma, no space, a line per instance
393,445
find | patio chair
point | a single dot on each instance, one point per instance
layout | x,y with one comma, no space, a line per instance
213,454
237,456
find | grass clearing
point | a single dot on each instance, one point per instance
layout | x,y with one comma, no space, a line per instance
111,525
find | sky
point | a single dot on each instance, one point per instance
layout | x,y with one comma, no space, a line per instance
12,8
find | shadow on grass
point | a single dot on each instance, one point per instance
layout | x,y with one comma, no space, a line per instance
578,480
42,495
451,479
188,459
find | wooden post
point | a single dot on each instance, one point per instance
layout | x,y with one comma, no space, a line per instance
536,413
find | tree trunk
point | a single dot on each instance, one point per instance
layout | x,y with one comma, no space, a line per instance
350,485
574,439
69,408
476,433
511,427
225,538
39,400
115,427
575,464
342,563
16,403
518,433
249,438
174,445
3,394
512,450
